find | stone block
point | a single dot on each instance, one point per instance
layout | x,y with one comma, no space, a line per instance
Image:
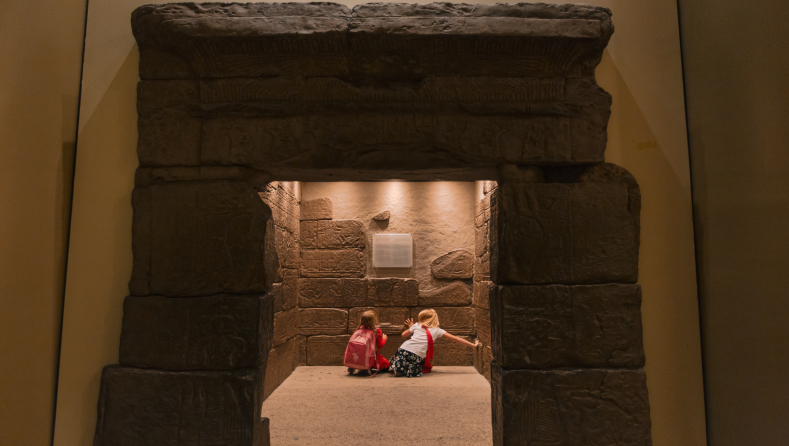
382,216
287,248
458,321
482,324
290,289
393,292
326,350
322,321
139,406
483,357
481,239
453,265
282,361
169,137
285,326
199,333
301,345
271,263
482,211
391,320
199,238
280,197
325,293
482,267
452,294
582,230
336,234
318,209
448,352
155,95
592,407
332,263
481,297
567,326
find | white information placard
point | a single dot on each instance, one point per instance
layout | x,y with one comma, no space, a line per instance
392,250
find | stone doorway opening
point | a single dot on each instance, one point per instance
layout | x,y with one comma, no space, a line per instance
327,275
236,96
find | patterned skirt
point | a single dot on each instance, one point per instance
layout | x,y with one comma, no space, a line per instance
406,363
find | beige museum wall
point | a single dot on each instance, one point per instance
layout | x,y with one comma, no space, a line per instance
439,215
736,67
40,61
642,71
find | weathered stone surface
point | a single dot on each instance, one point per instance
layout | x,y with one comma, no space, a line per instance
318,209
282,361
169,137
481,298
290,289
482,324
301,345
271,261
453,294
332,263
383,216
138,406
326,350
393,292
391,320
324,293
482,267
451,353
482,211
483,358
456,320
281,198
337,234
453,265
481,239
567,326
200,333
593,407
198,238
285,326
287,247
322,321
583,230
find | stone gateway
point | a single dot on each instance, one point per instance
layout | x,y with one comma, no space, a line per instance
236,283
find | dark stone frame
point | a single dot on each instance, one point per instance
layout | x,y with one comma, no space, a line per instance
234,96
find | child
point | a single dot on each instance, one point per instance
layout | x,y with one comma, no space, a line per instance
369,321
412,355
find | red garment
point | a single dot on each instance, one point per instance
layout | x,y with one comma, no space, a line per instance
380,361
428,366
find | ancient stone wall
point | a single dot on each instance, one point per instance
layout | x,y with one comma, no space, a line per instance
482,283
336,288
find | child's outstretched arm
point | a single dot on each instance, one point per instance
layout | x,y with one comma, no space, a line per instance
409,322
454,338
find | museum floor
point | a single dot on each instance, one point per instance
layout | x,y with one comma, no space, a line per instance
324,406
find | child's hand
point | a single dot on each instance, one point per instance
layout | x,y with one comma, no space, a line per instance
477,343
409,322
385,336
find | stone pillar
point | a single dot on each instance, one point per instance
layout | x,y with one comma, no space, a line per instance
565,309
197,327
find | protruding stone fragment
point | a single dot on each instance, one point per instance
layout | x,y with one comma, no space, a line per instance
199,333
282,361
333,263
284,326
567,326
318,209
456,320
391,320
199,238
326,350
393,292
453,294
327,293
582,230
453,265
481,297
383,216
140,406
592,407
322,321
336,234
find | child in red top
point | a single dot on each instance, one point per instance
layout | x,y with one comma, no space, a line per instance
370,320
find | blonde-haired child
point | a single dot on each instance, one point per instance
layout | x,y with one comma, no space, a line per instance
369,320
410,358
